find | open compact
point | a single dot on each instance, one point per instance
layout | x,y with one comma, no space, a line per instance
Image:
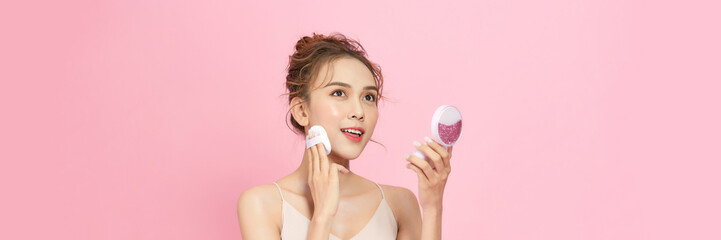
446,126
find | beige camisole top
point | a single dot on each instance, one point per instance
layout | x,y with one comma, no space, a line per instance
382,226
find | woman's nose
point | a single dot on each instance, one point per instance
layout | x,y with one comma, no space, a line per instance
358,116
357,112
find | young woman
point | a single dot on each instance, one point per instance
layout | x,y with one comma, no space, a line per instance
331,83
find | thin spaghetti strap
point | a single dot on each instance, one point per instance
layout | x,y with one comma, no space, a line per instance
281,192
379,186
282,218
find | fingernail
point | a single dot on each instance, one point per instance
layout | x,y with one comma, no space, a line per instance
407,156
417,144
428,140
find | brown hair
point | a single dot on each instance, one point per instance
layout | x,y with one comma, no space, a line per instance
311,53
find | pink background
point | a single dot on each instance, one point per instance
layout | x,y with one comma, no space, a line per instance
147,119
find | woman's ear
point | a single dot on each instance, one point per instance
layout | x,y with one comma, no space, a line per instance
299,110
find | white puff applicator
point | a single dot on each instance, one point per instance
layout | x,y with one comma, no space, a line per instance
320,137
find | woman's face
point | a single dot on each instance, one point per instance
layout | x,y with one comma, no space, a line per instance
344,102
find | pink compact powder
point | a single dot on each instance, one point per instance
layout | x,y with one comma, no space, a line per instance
449,133
446,126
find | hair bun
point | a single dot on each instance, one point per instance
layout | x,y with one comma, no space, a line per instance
304,41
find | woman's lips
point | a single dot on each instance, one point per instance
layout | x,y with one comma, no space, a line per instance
353,136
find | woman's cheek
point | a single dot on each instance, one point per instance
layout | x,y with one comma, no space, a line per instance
330,113
371,114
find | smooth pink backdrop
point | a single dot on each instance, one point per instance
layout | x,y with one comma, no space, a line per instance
147,119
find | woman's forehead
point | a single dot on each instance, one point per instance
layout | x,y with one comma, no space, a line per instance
348,72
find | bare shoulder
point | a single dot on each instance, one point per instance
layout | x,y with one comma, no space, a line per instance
263,198
259,211
402,201
260,193
399,194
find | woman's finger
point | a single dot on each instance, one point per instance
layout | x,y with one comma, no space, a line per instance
323,158
442,152
310,163
312,166
338,168
447,161
431,175
421,176
341,168
432,156
333,174
437,147
316,160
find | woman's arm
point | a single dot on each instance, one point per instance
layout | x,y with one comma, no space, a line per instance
431,225
431,184
410,226
320,227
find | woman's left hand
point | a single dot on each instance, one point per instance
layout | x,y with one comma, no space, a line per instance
431,180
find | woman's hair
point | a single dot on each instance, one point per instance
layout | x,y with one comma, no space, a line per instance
313,52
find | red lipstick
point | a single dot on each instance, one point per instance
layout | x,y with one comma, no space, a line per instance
354,134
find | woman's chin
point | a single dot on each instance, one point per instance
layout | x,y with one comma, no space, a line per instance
347,151
346,154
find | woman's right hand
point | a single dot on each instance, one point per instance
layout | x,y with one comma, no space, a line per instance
323,181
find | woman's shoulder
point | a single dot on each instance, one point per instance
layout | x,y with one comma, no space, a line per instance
397,193
261,200
260,196
402,201
259,209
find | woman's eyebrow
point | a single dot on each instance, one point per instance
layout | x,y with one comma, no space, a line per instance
371,88
342,84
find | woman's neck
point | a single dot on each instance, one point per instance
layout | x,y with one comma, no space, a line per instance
302,170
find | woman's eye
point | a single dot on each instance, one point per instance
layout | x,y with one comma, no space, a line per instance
370,97
338,93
